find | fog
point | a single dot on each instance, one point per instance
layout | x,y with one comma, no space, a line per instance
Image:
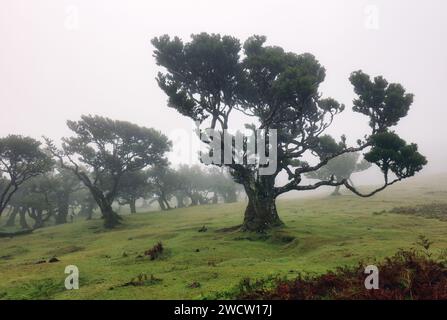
60,59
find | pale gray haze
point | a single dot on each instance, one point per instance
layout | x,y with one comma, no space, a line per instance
60,59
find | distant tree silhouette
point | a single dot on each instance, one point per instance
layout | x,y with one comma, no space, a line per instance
20,160
339,168
103,151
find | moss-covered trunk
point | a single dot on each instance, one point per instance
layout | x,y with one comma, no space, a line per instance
12,217
133,205
111,218
261,214
62,208
22,220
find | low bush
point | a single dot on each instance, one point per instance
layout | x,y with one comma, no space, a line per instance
409,274
155,251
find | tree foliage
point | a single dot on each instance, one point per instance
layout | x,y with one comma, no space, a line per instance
21,159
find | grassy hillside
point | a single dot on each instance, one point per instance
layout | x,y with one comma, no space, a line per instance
320,234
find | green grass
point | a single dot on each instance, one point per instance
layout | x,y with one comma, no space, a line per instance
321,233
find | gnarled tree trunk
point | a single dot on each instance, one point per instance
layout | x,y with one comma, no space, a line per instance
194,199
111,218
89,212
37,215
12,217
230,197
22,220
180,198
62,208
133,206
260,214
161,204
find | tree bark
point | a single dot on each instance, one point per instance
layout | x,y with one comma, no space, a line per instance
167,205
194,199
202,200
132,205
62,208
111,218
180,201
215,199
89,212
12,217
230,197
22,215
261,214
161,204
38,219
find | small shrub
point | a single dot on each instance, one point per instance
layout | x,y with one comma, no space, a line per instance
155,251
194,285
425,243
409,274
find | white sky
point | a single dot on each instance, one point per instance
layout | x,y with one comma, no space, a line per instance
60,59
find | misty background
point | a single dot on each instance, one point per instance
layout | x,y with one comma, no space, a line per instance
60,59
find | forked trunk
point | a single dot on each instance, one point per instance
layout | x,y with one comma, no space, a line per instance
111,218
37,215
161,203
167,205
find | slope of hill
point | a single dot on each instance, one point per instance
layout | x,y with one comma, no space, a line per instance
321,233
